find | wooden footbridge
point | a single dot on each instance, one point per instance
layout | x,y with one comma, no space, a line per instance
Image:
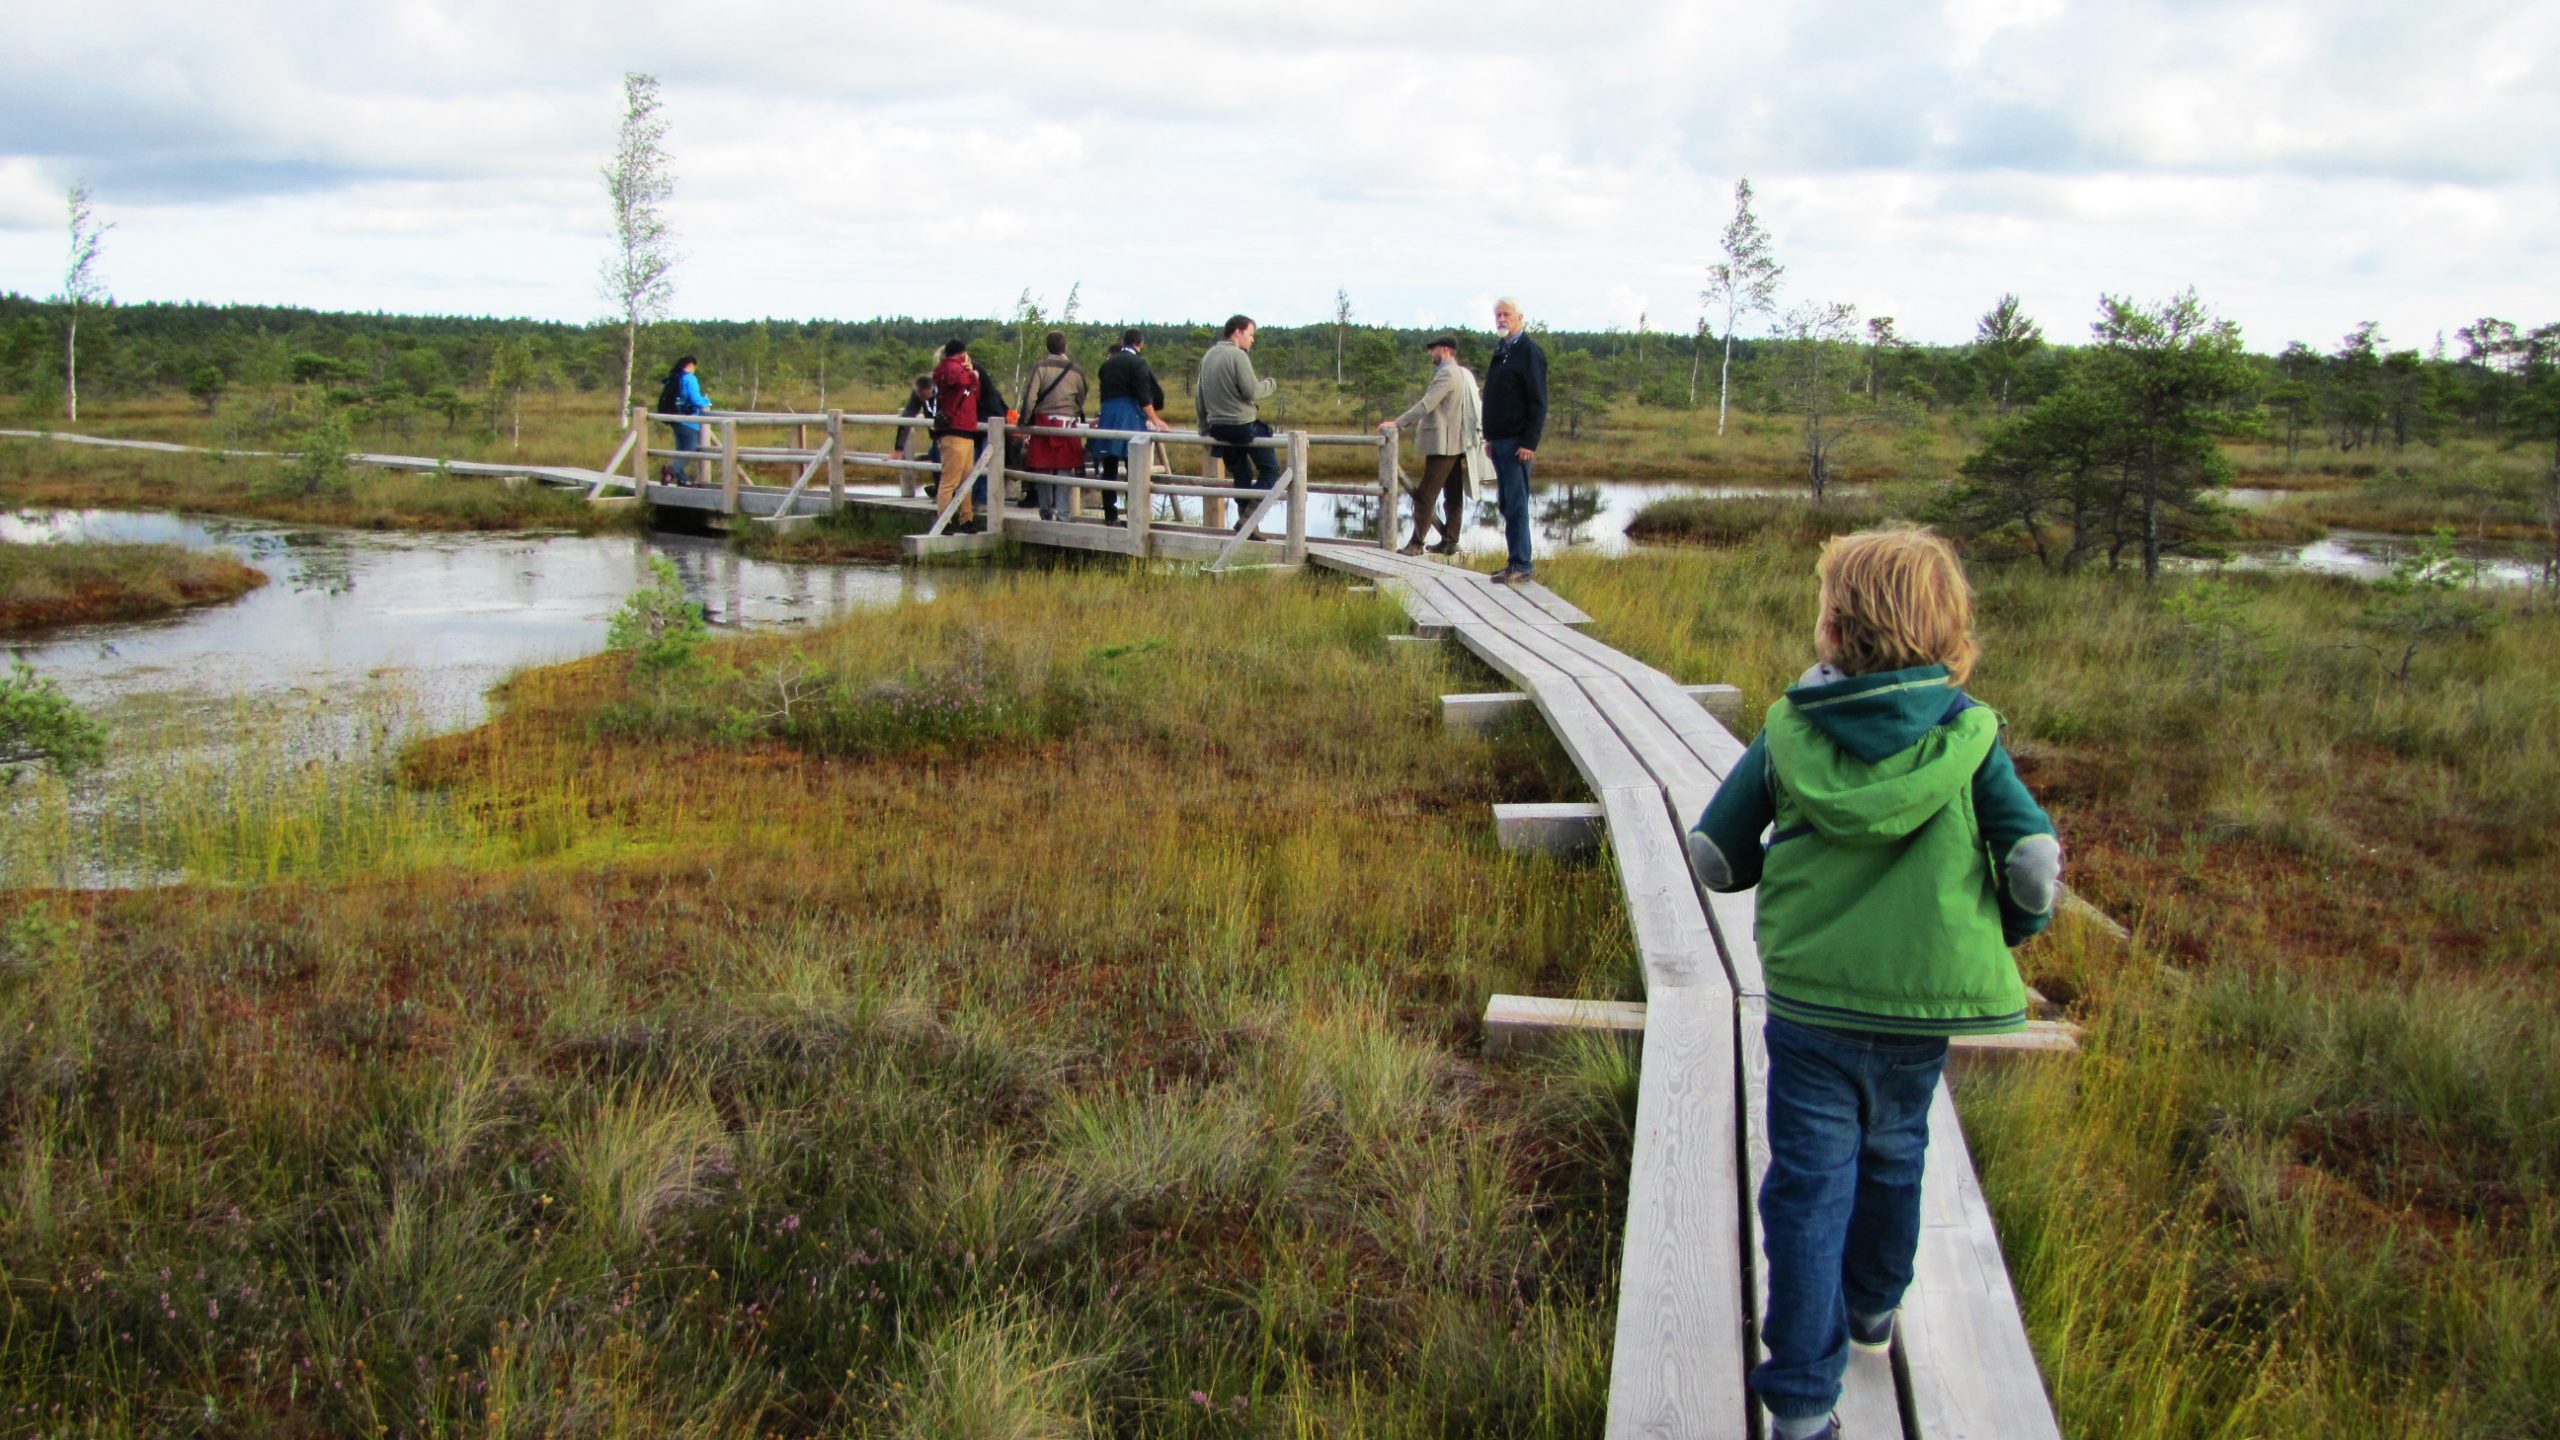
1689,1296
1649,749
824,447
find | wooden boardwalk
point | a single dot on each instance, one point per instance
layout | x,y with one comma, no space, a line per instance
1651,754
1689,1294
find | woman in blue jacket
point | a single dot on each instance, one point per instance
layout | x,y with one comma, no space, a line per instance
681,394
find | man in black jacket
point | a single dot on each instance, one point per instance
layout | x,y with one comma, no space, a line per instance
1515,417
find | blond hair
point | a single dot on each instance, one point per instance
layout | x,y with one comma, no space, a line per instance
1894,598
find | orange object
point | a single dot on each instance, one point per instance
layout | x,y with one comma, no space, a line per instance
1012,416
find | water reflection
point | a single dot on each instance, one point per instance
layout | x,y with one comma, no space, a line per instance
439,618
1569,514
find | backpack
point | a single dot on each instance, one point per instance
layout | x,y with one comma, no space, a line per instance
671,395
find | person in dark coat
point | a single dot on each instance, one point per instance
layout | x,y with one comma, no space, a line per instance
920,404
1515,417
1132,399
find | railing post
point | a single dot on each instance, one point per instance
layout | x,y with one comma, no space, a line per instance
835,460
728,467
640,453
1387,492
1213,471
1295,551
1140,502
995,475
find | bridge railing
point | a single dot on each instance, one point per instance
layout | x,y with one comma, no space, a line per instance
1144,482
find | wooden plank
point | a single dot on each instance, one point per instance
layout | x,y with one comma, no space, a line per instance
1714,745
1671,931
728,467
640,456
1141,498
1427,619
1068,534
1969,1055
918,547
1547,829
1593,746
791,498
1483,708
604,477
1387,497
1250,527
835,459
959,496
1722,702
1969,1371
1474,714
1678,1362
1296,537
1563,611
1519,1024
1735,917
1513,603
992,461
1684,779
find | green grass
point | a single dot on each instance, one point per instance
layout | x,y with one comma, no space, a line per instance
44,585
2301,1179
1710,520
1112,1072
38,473
856,535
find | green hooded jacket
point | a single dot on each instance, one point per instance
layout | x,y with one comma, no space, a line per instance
1882,900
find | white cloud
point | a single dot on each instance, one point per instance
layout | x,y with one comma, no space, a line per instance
2305,164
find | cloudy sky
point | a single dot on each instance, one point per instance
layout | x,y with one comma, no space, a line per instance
2306,164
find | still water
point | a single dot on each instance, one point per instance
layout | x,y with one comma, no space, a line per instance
434,620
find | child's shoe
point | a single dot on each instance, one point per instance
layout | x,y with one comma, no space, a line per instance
1872,1334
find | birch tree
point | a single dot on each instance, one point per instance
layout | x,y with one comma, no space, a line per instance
1341,327
80,286
639,279
1745,282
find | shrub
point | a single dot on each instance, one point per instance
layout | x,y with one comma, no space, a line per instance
39,725
660,627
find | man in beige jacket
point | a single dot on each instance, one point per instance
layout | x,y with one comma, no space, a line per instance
1447,428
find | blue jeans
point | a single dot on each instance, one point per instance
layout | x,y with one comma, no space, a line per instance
1511,475
688,437
1840,1210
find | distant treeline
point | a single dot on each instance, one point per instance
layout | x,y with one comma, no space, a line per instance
169,349
2362,391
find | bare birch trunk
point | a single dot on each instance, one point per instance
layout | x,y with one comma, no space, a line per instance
630,355
71,367
1724,380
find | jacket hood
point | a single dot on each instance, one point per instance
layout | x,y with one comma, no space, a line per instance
1867,759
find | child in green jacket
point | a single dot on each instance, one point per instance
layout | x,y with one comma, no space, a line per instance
1906,858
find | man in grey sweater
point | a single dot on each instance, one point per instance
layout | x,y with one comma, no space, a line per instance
1230,397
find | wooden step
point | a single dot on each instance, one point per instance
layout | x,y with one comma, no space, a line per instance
1522,1024
1547,829
1481,711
